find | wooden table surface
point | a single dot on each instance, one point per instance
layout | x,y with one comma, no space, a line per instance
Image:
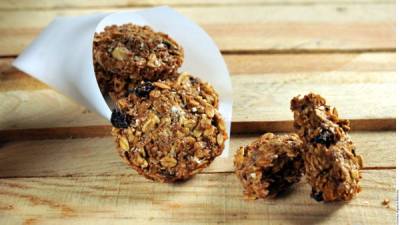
57,159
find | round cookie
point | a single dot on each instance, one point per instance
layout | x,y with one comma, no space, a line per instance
270,165
169,130
137,52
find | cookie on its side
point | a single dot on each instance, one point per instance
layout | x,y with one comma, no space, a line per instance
169,130
270,165
332,165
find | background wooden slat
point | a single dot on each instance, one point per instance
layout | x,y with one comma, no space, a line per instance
13,79
62,4
259,98
332,27
345,79
302,63
208,199
97,156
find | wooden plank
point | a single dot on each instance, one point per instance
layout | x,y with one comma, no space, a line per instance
13,79
306,63
97,156
266,97
71,4
336,27
263,98
207,199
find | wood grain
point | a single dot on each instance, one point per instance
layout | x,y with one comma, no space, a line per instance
326,27
260,98
207,199
21,94
12,79
57,159
97,156
306,63
71,4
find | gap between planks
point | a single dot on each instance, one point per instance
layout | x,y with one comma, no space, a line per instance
132,173
285,52
236,128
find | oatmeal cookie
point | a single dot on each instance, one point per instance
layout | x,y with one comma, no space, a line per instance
113,85
137,52
270,165
332,165
169,130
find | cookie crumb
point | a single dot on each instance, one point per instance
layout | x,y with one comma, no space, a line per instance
386,202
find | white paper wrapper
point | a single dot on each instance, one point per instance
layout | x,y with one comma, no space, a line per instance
62,55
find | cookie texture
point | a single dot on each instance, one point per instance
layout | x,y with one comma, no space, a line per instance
332,165
174,129
130,53
270,165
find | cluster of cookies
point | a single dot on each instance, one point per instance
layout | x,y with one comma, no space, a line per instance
321,148
166,124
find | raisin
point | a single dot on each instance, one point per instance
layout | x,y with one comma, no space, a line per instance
326,138
131,90
167,43
119,119
143,89
318,196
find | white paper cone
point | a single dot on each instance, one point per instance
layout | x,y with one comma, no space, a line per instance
62,56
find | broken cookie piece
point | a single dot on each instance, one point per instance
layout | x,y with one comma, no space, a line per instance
174,128
270,165
331,163
132,53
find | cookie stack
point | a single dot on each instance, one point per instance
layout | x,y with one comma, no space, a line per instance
166,124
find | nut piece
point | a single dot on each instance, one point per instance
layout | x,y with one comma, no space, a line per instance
140,161
123,143
168,162
150,123
332,165
120,53
161,85
270,165
153,61
220,139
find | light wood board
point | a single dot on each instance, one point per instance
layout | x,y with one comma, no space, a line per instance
208,199
265,28
58,164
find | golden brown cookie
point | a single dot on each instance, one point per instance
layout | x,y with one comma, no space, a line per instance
169,130
332,165
136,53
270,165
